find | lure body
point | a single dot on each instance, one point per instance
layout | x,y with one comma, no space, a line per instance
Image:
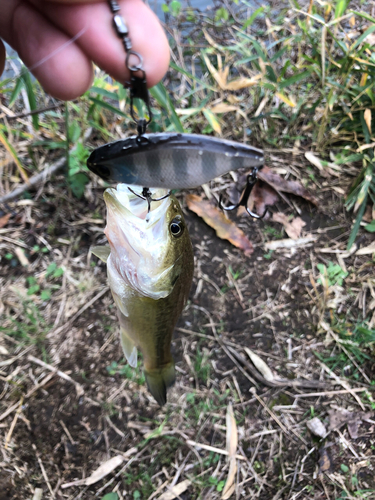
171,161
150,268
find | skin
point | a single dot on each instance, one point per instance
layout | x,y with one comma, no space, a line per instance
41,32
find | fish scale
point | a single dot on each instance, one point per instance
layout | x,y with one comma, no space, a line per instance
150,271
171,161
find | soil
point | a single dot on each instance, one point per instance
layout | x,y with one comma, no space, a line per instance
61,436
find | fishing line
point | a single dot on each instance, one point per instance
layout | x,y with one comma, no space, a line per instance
58,50
25,69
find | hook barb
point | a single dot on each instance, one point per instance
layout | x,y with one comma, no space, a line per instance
147,196
245,196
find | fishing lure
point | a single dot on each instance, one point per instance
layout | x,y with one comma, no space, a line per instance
171,160
167,160
150,268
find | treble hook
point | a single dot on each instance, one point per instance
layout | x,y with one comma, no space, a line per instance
147,196
250,183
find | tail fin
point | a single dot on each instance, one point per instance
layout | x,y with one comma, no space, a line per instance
158,382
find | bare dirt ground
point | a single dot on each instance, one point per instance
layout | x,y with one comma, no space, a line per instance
58,427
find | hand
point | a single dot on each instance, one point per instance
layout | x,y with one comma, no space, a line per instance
59,41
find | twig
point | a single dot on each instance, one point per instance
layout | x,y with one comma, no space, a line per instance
212,448
307,384
13,424
35,111
42,176
44,473
330,393
343,383
61,374
279,423
83,309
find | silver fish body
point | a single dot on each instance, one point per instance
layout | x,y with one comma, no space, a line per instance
171,160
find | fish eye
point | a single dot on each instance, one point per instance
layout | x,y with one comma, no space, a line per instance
176,227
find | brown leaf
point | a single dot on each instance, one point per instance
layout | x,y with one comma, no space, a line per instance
262,196
340,416
232,441
222,107
225,228
175,491
4,220
105,469
367,116
280,184
229,484
242,83
232,435
260,365
293,228
325,463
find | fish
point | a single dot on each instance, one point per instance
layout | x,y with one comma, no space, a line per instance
171,160
150,266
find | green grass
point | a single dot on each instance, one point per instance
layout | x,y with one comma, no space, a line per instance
314,81
28,327
125,370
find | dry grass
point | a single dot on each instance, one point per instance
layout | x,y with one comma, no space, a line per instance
232,428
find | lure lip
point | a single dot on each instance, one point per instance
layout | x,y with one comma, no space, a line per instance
104,161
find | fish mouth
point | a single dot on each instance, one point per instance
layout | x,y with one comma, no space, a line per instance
138,239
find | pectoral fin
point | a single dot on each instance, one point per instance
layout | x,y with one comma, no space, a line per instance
102,252
129,349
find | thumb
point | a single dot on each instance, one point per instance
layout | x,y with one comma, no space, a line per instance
2,57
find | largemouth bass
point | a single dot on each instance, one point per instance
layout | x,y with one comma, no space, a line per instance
172,161
150,268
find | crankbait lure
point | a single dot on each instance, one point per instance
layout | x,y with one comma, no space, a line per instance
171,160
167,160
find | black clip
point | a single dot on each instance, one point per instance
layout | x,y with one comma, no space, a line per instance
250,183
147,196
139,90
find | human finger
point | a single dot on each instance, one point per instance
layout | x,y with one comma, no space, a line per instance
2,57
99,41
61,67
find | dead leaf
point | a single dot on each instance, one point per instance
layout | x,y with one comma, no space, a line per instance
289,243
340,416
222,107
260,365
325,462
175,491
4,220
286,99
367,116
104,470
316,426
229,484
232,442
38,494
232,436
293,228
280,184
24,261
317,162
243,83
367,250
225,228
262,196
